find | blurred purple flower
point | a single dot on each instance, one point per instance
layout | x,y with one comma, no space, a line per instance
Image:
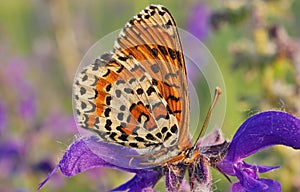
198,21
60,124
45,165
15,76
198,24
257,132
11,153
27,102
15,71
3,117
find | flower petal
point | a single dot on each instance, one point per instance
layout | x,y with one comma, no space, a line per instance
264,130
79,157
144,180
261,131
270,186
88,153
260,168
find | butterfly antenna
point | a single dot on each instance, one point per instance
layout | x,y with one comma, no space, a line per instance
218,92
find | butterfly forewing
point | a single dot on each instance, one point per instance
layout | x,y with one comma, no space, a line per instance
152,38
136,95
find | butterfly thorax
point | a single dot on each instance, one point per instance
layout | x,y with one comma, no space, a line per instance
196,161
197,166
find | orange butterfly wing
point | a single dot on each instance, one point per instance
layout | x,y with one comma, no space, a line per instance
137,94
152,38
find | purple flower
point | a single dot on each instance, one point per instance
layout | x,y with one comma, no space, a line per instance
59,124
81,156
14,72
11,157
198,21
15,77
258,132
3,117
27,103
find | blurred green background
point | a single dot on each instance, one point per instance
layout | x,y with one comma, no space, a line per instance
255,43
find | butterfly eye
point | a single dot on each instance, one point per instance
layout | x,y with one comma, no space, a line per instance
189,153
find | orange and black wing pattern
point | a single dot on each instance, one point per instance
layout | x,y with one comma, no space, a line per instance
136,95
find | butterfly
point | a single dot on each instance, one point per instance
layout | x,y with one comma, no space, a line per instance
137,94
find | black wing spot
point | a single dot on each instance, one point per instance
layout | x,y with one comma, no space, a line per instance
123,137
152,7
155,68
168,136
173,142
108,87
139,91
107,111
159,135
96,93
150,137
108,100
168,24
140,139
82,90
132,106
120,82
162,49
152,13
118,93
169,109
129,90
177,111
172,97
83,105
170,75
150,91
84,78
122,58
143,78
108,124
154,52
174,129
105,57
123,108
131,21
132,80
161,13
154,82
112,135
121,116
164,129
134,68
107,73
172,53
120,69
133,145
139,15
95,66
143,115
